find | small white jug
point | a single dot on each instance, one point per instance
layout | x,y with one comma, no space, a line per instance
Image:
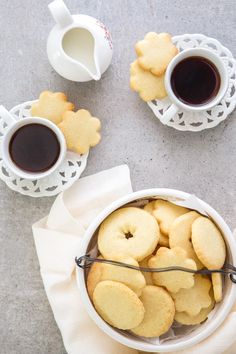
79,47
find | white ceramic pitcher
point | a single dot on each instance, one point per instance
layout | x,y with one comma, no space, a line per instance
79,47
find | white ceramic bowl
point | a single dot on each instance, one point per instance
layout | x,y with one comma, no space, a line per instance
202,331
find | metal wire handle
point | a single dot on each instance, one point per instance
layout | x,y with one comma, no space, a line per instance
86,261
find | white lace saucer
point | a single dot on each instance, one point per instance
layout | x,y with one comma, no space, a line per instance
197,121
57,182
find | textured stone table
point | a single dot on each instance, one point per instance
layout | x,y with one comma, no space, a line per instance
202,163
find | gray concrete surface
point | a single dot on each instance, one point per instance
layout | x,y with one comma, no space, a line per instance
203,163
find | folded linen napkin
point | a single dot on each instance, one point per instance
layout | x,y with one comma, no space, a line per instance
57,239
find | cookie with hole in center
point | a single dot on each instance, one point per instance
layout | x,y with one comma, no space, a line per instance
128,231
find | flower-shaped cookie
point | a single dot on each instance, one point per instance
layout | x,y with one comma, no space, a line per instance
175,280
193,300
81,130
145,83
51,106
155,52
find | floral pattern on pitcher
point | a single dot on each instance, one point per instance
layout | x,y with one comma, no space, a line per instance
107,34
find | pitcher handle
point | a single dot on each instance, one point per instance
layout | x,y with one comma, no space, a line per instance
6,116
60,13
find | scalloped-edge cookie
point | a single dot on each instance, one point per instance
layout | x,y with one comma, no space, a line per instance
80,130
193,300
186,319
134,279
118,305
148,86
174,280
164,239
166,212
52,106
128,231
159,312
155,52
181,232
208,243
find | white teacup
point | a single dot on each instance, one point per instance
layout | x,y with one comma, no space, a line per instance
177,104
14,126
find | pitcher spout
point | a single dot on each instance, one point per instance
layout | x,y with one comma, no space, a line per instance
96,76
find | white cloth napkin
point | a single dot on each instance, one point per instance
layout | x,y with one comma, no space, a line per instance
57,239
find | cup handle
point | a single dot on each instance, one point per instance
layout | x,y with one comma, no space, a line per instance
171,111
6,116
60,13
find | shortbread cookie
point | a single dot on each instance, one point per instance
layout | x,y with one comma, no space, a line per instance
165,213
129,231
80,130
147,275
173,280
118,305
51,106
185,319
146,84
194,299
181,232
150,207
134,279
217,284
155,52
159,312
208,243
164,239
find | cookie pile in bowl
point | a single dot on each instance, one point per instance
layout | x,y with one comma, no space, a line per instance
156,235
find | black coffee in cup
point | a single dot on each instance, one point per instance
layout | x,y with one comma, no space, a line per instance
195,80
34,148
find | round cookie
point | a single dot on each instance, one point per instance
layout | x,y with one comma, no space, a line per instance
216,279
208,243
159,312
147,275
174,280
165,213
185,319
118,305
134,279
129,231
193,300
181,232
